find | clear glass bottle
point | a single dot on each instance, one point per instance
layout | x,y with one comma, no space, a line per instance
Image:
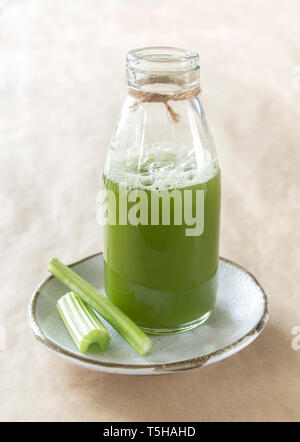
161,268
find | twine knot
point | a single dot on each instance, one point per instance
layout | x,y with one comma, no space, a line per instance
155,97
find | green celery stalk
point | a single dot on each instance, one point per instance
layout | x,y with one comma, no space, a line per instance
82,323
101,304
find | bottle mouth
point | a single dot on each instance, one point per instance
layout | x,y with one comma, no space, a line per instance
162,69
162,60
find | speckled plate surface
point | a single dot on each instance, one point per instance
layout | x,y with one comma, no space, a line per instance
239,317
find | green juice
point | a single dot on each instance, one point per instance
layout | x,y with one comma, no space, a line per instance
160,277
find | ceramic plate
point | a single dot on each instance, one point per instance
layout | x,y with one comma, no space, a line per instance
240,314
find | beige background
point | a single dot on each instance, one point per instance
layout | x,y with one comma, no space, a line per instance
62,85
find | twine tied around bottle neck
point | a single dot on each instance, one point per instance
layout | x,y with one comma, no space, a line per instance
155,97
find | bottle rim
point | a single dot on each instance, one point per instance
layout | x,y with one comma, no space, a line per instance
162,59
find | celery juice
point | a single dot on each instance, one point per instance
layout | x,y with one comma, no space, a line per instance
160,277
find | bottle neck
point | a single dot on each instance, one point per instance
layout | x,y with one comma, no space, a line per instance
162,89
163,83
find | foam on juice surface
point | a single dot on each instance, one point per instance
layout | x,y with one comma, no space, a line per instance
160,167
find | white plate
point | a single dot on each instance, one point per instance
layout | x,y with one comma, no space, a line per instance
240,314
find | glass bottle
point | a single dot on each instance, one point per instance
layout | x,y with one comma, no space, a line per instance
162,182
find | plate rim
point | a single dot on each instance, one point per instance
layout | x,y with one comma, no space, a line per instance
169,367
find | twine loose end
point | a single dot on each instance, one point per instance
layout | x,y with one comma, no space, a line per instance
175,117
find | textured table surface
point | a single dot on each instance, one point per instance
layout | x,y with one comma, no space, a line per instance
61,87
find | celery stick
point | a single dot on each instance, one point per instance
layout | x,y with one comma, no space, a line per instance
81,322
101,304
